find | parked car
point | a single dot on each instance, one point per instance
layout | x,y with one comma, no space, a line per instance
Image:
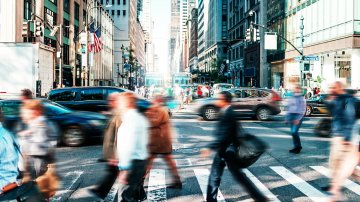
257,102
89,98
76,127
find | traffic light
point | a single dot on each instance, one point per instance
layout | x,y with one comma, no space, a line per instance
38,29
248,34
25,29
256,33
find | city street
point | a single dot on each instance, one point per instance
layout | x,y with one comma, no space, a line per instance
279,174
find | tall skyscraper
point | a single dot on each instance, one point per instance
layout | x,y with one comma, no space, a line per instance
174,31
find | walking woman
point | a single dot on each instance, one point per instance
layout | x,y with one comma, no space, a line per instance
160,139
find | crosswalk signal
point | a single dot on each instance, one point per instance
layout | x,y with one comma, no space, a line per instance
38,29
248,34
25,29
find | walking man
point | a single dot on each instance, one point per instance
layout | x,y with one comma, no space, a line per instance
109,149
132,142
225,147
342,110
296,112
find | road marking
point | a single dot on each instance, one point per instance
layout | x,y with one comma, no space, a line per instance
112,193
60,194
347,184
261,186
300,184
183,162
156,186
207,128
202,176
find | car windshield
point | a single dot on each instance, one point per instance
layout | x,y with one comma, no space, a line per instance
55,109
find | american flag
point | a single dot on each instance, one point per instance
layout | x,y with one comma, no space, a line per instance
96,47
97,40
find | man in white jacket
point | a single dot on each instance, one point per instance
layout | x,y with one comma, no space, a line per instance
132,141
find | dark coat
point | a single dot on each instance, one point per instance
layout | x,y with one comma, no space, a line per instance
109,144
226,132
160,130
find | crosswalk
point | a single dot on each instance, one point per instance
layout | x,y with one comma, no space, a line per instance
157,191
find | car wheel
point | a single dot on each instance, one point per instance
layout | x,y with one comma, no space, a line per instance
210,113
263,114
323,128
308,111
73,136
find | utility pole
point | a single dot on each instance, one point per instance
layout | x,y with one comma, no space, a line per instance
302,61
60,56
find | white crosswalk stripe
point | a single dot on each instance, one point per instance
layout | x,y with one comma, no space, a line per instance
156,186
202,176
300,184
348,183
261,186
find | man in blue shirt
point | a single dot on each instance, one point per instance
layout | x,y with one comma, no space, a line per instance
11,187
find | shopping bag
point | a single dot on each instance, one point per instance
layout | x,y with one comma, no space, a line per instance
249,150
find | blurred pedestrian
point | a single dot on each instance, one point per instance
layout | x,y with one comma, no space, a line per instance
109,149
296,111
161,138
38,140
225,146
26,94
11,187
342,109
348,167
132,141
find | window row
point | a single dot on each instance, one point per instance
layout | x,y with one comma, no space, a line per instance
118,12
113,2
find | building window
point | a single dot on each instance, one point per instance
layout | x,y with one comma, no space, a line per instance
113,12
67,6
66,54
124,2
27,9
112,2
76,29
50,16
118,2
84,15
77,11
66,30
118,12
54,2
124,12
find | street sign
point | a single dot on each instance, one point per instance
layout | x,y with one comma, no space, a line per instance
270,41
221,69
307,58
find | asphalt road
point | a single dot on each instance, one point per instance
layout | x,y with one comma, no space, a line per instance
279,174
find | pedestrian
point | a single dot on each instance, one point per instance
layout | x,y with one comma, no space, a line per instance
11,188
109,149
342,110
225,147
296,111
132,140
38,140
348,166
160,138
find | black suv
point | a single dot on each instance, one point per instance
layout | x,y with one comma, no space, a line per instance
84,98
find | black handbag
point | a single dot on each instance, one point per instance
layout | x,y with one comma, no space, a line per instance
250,148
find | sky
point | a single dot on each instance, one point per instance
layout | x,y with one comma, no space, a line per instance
160,12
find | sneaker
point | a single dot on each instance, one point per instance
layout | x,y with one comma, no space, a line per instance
295,150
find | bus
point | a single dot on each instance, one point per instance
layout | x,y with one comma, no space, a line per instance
181,78
154,79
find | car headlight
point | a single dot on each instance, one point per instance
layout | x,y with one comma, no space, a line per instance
96,123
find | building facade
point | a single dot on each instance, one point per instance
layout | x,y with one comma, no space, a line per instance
174,33
193,41
331,31
71,14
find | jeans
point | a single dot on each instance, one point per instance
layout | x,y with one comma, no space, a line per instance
135,189
217,170
27,192
294,129
108,181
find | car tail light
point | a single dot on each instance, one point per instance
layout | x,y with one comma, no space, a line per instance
275,96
